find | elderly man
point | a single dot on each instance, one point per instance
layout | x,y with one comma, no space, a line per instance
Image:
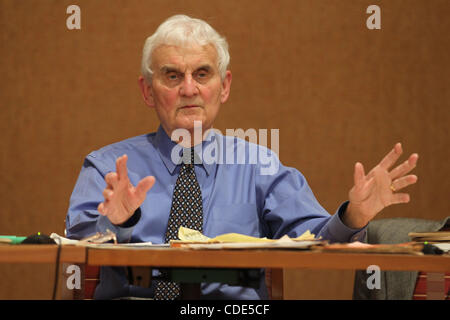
135,188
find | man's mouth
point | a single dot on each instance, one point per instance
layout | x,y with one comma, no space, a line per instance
189,106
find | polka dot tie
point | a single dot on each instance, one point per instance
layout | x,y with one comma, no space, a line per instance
186,211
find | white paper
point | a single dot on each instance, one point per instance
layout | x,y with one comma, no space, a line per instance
443,246
65,241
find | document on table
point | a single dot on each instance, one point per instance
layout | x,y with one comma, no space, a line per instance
444,246
194,239
65,241
438,236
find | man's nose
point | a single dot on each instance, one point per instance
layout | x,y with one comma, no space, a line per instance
188,87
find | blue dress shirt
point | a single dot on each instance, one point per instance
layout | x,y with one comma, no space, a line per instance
254,195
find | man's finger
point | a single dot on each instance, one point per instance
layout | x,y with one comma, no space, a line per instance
144,186
111,179
101,209
107,194
405,167
359,175
400,198
403,182
121,168
389,160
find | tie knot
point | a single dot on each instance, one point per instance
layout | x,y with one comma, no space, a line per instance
189,156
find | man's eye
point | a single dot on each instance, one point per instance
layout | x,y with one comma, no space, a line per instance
202,75
172,76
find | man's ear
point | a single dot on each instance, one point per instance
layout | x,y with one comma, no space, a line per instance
146,91
226,85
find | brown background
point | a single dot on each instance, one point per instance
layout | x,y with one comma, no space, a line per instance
338,92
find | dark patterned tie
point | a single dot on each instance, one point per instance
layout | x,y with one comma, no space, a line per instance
186,211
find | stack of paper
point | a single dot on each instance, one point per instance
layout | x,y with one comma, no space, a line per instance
440,239
194,239
88,243
438,236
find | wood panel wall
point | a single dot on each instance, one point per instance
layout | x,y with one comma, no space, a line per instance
338,92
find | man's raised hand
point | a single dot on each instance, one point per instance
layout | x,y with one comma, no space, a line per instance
121,197
379,188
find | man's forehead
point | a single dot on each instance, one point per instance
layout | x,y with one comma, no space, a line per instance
171,56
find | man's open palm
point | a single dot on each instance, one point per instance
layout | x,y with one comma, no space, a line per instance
378,189
121,197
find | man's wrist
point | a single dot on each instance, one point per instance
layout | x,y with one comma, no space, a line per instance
352,218
132,221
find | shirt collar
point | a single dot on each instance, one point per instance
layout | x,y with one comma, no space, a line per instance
165,145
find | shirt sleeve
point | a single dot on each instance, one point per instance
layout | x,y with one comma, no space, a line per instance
289,207
82,218
337,231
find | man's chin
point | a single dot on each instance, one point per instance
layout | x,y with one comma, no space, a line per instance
189,123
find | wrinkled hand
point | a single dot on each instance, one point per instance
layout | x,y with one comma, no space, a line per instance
378,189
121,197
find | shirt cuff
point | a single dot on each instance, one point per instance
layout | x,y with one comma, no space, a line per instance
337,231
122,231
131,222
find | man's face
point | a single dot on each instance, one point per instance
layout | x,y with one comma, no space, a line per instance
186,86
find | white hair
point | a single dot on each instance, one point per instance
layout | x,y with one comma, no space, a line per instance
183,31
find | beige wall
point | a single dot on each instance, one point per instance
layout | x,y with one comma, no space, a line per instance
338,92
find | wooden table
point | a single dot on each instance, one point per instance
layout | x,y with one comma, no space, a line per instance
179,257
296,259
276,260
42,253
